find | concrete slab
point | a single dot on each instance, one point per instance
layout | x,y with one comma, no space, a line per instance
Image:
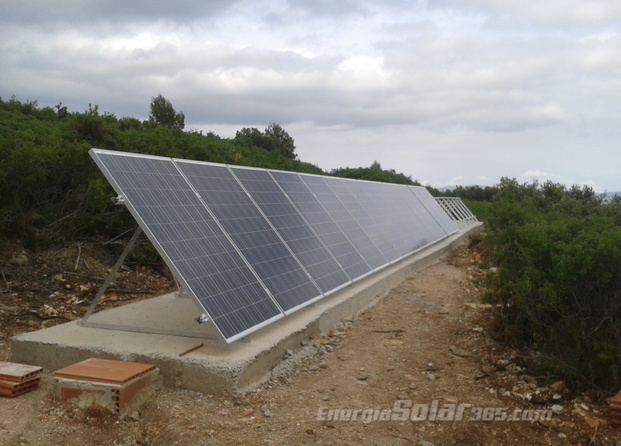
205,365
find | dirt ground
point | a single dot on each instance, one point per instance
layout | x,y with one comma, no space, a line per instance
419,368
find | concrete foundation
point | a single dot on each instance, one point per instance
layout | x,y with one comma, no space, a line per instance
204,365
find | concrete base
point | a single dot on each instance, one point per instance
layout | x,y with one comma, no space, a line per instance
205,365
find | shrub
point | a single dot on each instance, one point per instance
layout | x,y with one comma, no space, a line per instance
559,279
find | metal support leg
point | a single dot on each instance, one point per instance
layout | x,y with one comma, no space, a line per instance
152,330
112,275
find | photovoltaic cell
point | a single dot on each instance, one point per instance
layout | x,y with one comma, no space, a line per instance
193,244
293,228
253,235
322,223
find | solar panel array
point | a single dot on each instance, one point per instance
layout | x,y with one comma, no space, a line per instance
253,245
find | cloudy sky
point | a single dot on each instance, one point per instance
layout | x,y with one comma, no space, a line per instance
449,92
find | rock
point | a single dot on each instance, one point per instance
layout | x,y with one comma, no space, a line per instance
558,386
425,443
477,329
266,412
459,352
362,376
412,386
552,423
584,406
557,409
431,377
19,260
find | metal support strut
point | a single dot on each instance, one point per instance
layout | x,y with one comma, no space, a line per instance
152,330
111,276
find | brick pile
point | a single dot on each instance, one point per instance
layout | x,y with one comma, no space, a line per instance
615,411
17,379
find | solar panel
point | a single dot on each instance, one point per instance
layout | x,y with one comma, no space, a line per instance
349,214
252,233
293,228
370,217
413,231
359,242
252,245
191,242
322,223
439,216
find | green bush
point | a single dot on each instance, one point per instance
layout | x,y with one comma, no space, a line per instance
558,253
51,191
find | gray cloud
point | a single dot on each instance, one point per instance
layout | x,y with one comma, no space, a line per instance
435,85
68,13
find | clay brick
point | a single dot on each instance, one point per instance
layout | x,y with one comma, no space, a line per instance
10,371
615,410
117,386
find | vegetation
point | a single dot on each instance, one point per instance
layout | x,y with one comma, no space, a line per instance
51,191
373,173
273,139
163,113
558,277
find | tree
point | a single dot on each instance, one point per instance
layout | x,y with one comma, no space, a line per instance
163,113
251,137
273,139
283,143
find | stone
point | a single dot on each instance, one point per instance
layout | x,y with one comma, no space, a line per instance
558,386
557,409
19,260
266,412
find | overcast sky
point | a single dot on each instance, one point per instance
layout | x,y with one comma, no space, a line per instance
448,92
